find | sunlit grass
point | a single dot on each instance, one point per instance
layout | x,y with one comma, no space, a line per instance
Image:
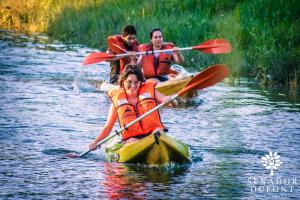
265,35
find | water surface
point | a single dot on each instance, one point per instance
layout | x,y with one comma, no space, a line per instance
49,109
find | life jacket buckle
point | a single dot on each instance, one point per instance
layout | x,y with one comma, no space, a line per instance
156,136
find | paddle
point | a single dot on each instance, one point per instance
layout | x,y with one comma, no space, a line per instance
215,46
206,78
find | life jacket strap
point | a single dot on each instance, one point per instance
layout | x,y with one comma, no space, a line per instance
117,132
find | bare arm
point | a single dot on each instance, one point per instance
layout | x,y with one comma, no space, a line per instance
177,56
160,98
133,57
111,119
139,61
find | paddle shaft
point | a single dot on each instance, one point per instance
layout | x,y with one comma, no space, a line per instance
131,123
166,50
206,78
98,145
215,46
152,52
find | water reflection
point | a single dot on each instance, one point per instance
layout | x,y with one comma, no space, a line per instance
136,181
120,183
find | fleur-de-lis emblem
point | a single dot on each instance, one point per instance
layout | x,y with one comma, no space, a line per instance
271,161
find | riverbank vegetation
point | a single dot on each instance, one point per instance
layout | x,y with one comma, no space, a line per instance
265,34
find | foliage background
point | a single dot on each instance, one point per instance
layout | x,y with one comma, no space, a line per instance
265,34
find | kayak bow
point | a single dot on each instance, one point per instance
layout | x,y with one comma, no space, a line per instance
154,149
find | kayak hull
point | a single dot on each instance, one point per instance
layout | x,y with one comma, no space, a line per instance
172,87
154,149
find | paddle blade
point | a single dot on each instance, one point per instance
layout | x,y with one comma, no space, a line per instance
114,47
216,46
97,57
120,49
208,77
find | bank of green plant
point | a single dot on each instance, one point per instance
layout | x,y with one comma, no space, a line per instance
264,33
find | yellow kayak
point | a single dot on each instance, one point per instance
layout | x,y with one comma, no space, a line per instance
170,87
154,149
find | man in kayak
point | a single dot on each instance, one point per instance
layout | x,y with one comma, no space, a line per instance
133,98
118,44
158,65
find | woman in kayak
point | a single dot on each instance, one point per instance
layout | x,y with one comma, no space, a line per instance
158,65
132,99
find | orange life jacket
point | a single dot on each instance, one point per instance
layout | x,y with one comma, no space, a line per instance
128,112
116,41
153,67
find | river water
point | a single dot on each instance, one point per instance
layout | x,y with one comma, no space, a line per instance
49,109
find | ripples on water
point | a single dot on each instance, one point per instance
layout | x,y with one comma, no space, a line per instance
49,109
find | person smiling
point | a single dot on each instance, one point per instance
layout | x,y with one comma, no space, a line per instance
133,98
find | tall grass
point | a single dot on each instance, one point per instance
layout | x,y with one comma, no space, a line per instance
265,34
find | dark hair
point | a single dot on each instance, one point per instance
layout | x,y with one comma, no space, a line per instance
131,69
155,29
129,30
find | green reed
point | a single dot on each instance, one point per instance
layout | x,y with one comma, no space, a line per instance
265,34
